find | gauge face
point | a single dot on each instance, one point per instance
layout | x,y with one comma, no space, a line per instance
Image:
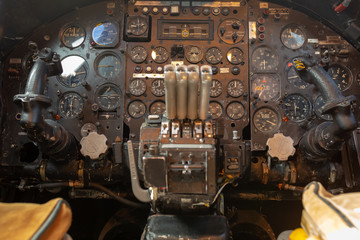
74,71
157,108
215,110
159,55
293,37
193,54
318,104
266,120
235,88
267,87
264,59
216,88
108,97
296,107
358,78
235,56
235,110
73,36
136,109
138,54
213,55
137,87
341,75
28,62
87,128
231,31
70,105
105,34
137,25
157,87
108,66
293,77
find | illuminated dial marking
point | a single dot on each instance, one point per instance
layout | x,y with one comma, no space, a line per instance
267,87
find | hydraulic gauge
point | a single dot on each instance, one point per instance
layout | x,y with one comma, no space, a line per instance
296,107
215,110
235,88
74,71
193,54
136,109
235,56
231,31
358,78
267,87
108,97
87,128
157,108
341,75
235,110
157,87
264,59
266,120
216,88
293,77
213,55
293,37
105,34
138,54
159,55
70,105
137,87
108,65
73,36
137,25
318,105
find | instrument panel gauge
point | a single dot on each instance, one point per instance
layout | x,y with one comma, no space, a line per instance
341,75
216,88
264,59
137,87
235,110
231,31
213,55
215,110
157,108
70,105
293,77
137,26
318,104
296,107
73,36
193,54
108,65
267,87
105,34
138,54
266,120
136,109
235,56
293,37
108,97
157,87
235,88
159,55
74,71
87,128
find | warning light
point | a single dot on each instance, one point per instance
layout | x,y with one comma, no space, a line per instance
285,119
57,116
290,64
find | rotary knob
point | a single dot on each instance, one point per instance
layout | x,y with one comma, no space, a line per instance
93,145
280,146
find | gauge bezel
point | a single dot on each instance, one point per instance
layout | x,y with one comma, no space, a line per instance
348,71
147,54
232,102
221,87
187,49
275,76
99,57
137,79
277,124
137,100
256,69
298,27
158,61
317,113
109,45
308,114
242,55
151,85
63,96
227,88
86,68
217,61
228,41
156,101
222,109
63,28
115,106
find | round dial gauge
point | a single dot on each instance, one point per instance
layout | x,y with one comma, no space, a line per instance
108,65
213,55
157,108
70,105
293,77
231,31
137,25
193,54
215,110
235,110
293,37
216,88
108,97
138,54
105,34
267,87
87,128
28,62
157,87
296,107
73,36
136,109
264,59
74,71
235,56
318,104
358,78
235,88
341,75
137,87
159,55
266,120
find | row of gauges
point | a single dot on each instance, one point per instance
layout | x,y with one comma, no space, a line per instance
193,54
